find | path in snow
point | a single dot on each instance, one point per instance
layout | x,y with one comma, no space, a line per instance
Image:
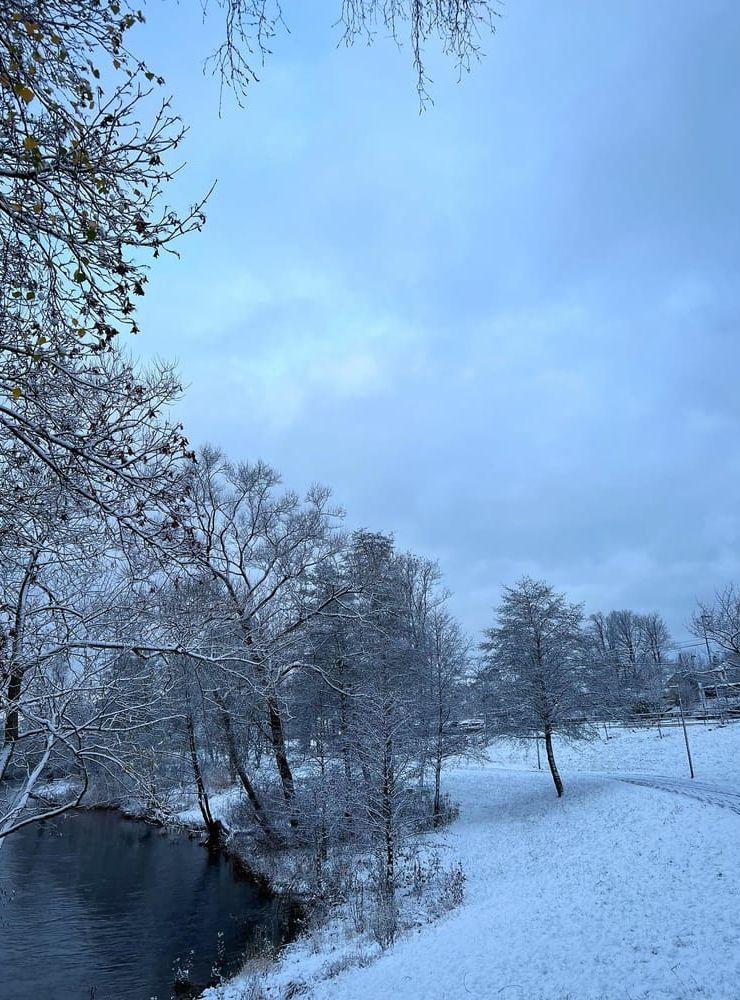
685,786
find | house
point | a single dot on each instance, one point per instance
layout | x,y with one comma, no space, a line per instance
717,685
722,680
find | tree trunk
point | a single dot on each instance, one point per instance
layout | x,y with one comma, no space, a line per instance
15,680
387,814
277,734
21,800
345,744
551,761
236,763
11,720
6,752
438,763
277,738
213,826
438,790
387,799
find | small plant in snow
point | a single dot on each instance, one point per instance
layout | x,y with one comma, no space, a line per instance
384,919
419,877
452,891
252,991
295,988
354,960
356,906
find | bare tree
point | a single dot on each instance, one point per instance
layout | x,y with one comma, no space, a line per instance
252,25
263,549
68,700
449,652
98,428
383,740
633,650
718,620
657,638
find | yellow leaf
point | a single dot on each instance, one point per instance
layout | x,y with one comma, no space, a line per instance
25,93
17,393
30,143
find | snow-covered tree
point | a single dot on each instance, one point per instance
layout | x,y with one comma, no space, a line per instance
536,668
633,649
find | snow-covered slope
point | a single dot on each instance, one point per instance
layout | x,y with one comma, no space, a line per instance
616,892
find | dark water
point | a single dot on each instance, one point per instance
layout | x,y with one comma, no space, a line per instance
95,906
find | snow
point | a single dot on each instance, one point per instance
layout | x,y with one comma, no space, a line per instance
616,892
715,751
220,803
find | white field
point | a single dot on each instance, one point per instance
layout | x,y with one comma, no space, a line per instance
615,892
715,751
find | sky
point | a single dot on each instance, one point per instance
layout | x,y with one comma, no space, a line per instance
505,329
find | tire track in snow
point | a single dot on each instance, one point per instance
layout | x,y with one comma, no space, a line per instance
693,789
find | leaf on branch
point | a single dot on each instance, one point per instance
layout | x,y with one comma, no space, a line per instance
25,93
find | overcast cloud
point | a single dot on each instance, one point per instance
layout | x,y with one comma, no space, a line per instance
507,329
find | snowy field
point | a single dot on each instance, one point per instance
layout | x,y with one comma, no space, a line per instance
616,892
715,751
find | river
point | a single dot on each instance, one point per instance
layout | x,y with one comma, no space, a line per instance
97,907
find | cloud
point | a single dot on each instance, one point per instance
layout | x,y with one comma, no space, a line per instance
506,330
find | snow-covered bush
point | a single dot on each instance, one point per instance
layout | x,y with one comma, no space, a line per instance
384,918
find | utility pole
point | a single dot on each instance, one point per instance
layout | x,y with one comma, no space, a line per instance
706,640
685,731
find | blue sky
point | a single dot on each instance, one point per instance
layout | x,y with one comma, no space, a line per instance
506,329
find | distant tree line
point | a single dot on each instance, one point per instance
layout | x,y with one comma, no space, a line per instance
548,669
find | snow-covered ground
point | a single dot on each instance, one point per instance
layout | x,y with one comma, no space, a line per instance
616,892
715,751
